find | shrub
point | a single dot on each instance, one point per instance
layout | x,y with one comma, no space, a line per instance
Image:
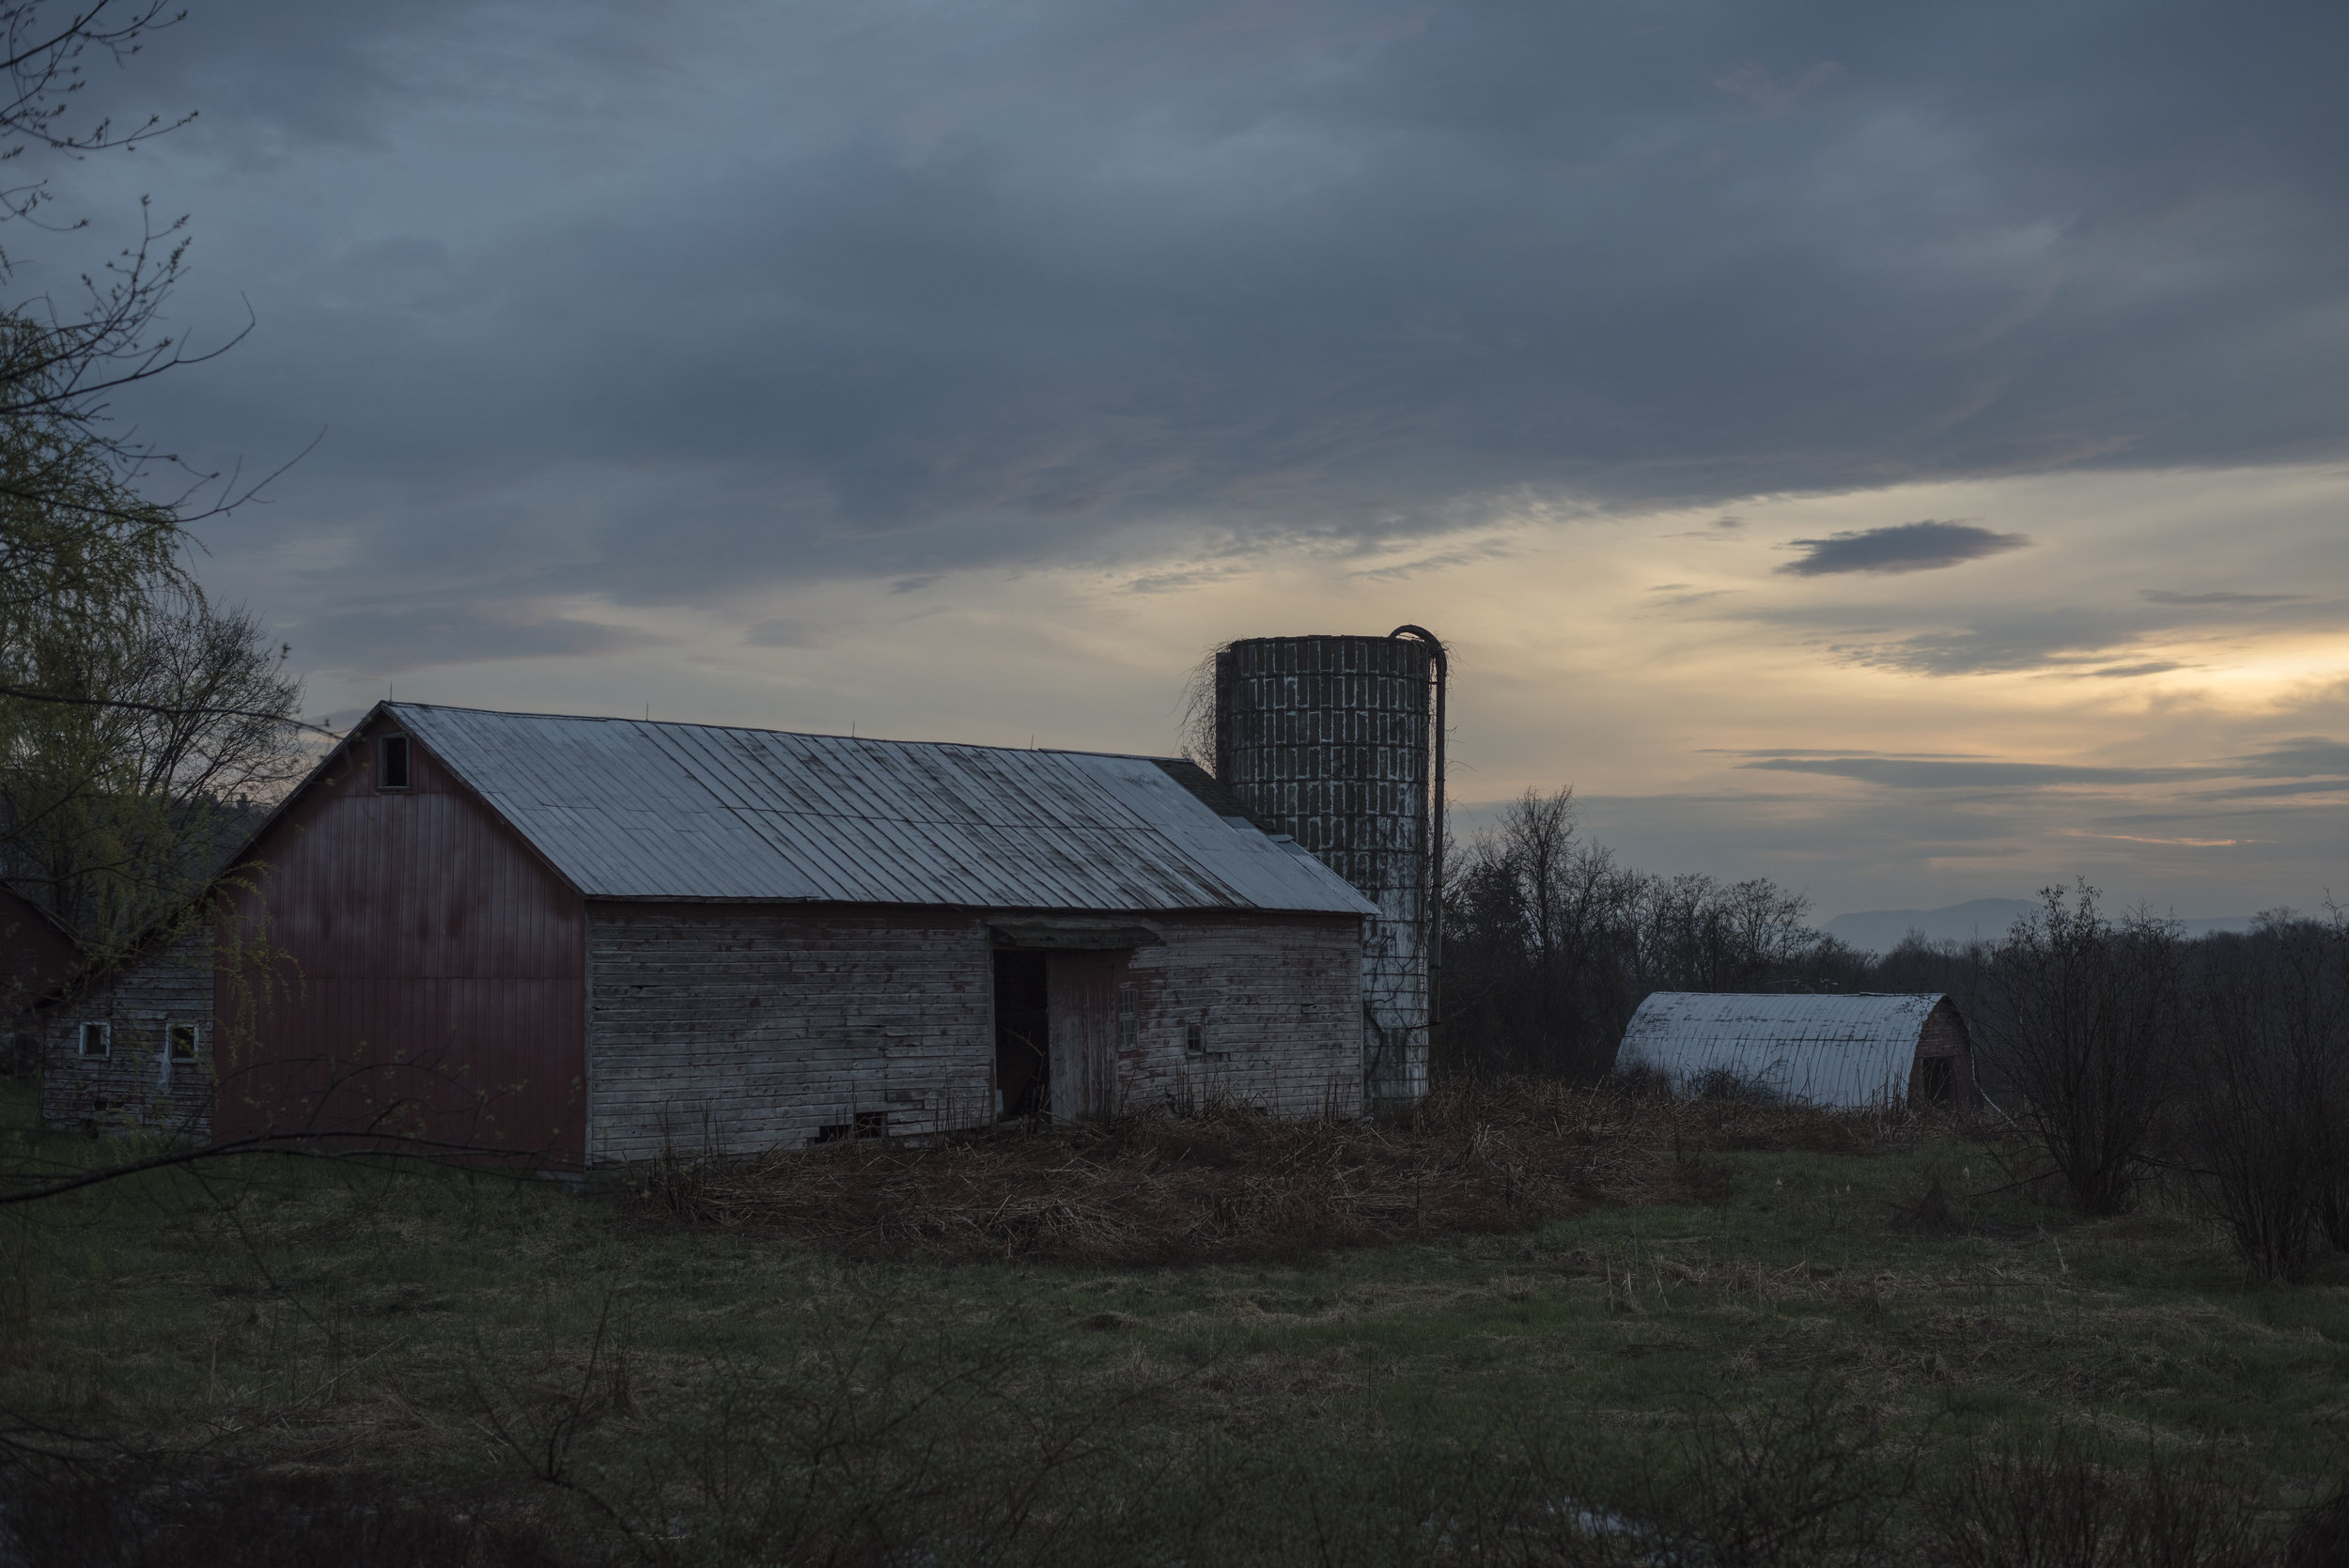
2085,1021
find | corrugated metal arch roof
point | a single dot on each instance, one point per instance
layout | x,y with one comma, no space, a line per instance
627,808
1846,1050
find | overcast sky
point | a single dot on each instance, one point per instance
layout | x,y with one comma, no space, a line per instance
1894,449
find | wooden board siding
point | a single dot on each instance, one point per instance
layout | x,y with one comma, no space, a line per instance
1081,995
134,1086
409,965
1278,1001
1945,1034
739,1028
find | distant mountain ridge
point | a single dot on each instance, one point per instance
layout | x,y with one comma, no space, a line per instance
1976,919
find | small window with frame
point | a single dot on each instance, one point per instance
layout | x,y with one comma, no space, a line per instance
181,1041
1129,1018
391,762
1194,1039
97,1040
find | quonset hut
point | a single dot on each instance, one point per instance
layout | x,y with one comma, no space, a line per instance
1836,1051
580,941
1338,742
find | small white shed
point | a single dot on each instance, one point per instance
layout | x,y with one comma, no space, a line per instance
1838,1051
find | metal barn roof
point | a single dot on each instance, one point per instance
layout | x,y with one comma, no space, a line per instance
1829,1049
627,808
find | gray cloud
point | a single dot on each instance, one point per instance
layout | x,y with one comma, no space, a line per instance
2301,756
784,633
2160,596
1903,547
397,639
2274,791
723,295
2310,757
1826,751
2057,638
1900,773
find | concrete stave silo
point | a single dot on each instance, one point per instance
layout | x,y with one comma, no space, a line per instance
1337,740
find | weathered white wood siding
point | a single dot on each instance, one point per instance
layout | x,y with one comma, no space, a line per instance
739,1028
132,1087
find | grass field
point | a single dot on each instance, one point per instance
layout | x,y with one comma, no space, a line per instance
1821,1363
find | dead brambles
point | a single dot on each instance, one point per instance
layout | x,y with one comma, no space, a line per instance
1228,1182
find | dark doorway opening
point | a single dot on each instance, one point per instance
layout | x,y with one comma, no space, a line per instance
1024,1030
1937,1077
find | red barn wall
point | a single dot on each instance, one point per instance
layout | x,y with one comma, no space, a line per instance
35,958
401,962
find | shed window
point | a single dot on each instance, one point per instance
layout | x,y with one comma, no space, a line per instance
179,1042
1129,1022
391,762
96,1039
1194,1039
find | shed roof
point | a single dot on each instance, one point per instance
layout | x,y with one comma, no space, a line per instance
627,808
1846,1050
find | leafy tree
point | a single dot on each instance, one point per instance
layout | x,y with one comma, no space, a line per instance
132,712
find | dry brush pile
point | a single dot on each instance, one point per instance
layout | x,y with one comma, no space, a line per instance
1228,1182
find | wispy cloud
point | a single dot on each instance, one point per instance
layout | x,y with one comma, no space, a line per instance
1834,751
1727,526
1901,773
2164,596
1904,547
1403,571
2185,842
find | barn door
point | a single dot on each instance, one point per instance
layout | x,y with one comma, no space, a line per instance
1084,988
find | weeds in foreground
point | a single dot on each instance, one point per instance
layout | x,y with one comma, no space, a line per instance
882,1454
1228,1182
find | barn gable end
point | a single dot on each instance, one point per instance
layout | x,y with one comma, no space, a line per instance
398,962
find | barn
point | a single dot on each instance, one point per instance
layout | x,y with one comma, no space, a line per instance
126,1041
37,957
580,941
1837,1051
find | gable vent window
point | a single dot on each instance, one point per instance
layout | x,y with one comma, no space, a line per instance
391,762
96,1039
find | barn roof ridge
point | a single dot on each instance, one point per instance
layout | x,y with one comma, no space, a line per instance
629,808
391,706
